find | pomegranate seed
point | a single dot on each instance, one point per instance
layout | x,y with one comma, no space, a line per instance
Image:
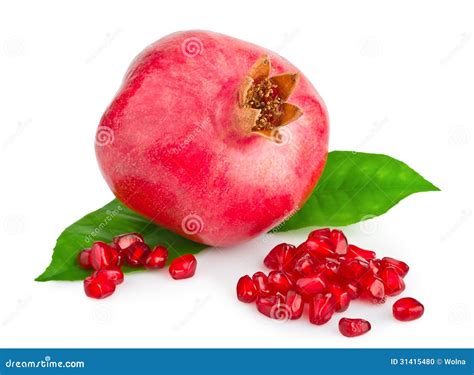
261,283
157,258
406,309
354,268
279,282
339,241
246,290
280,257
273,306
341,297
353,327
99,288
318,248
126,240
305,265
84,260
354,289
103,256
183,267
113,274
400,266
356,252
329,269
374,265
295,303
321,308
318,233
394,284
136,254
373,289
310,286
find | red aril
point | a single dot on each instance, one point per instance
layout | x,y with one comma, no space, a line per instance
136,254
373,288
318,247
401,267
113,274
84,260
318,233
157,258
273,306
321,308
328,269
394,284
280,257
353,288
353,327
183,267
279,282
341,297
305,265
356,252
406,309
310,286
246,290
374,265
354,268
99,288
123,241
295,304
339,241
103,256
261,283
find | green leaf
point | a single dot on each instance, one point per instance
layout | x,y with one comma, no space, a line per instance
102,225
356,186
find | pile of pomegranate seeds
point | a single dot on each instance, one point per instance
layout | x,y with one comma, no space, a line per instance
130,248
326,273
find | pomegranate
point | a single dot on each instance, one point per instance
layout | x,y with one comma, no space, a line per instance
205,126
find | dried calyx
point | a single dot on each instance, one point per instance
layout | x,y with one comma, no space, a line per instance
262,99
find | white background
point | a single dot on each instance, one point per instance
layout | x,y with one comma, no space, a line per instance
397,79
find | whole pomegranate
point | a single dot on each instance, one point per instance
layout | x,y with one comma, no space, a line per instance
213,138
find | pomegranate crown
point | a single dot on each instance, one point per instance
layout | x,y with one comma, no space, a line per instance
263,99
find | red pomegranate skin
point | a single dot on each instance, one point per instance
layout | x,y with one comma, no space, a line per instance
175,152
